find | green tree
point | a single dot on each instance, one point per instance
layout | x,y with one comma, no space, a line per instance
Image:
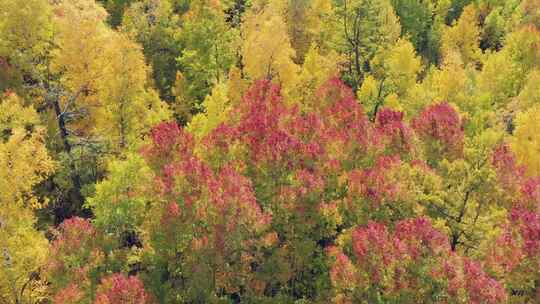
116,9
209,49
422,22
121,200
366,26
154,24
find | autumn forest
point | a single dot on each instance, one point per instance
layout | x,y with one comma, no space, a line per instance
269,151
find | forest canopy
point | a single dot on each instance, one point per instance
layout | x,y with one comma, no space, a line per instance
269,151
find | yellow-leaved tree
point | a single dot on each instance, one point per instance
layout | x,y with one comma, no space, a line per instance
25,163
216,108
394,72
106,76
530,94
81,37
463,37
526,139
25,32
266,50
129,106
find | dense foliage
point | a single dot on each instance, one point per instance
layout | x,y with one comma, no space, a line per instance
269,151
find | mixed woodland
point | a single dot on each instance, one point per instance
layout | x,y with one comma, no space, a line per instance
269,151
